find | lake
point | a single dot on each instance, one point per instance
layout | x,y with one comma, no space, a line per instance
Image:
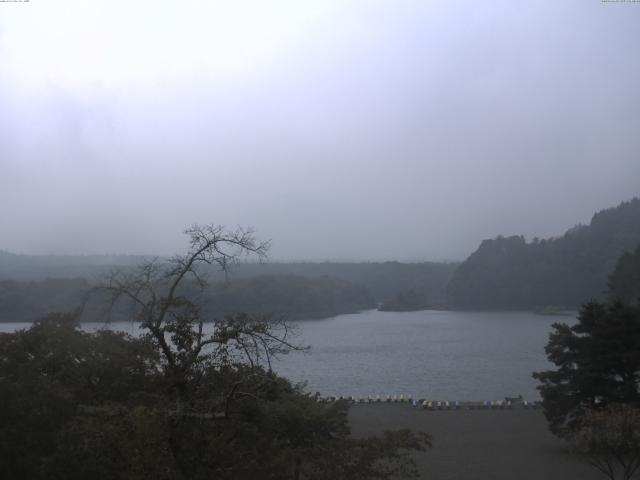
447,355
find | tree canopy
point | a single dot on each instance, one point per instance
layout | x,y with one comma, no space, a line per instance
598,364
511,273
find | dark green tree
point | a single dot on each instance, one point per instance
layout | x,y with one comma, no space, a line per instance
48,372
598,363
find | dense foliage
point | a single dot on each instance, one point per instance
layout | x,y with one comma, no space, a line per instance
510,273
598,364
184,401
75,405
624,282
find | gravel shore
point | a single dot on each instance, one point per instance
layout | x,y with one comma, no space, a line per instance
478,444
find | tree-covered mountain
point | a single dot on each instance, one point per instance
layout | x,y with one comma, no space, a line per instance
624,282
511,273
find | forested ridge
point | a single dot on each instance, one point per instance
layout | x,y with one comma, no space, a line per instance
383,280
503,273
624,282
28,301
511,273
32,286
291,296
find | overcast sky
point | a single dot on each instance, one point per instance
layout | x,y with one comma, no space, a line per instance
353,130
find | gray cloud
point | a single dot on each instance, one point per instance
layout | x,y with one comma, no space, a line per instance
394,130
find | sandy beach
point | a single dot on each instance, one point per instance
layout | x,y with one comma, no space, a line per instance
478,444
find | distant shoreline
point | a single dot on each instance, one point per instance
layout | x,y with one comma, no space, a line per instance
559,312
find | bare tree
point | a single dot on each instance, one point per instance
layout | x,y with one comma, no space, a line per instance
166,298
610,441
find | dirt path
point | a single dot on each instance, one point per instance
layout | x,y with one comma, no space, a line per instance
478,444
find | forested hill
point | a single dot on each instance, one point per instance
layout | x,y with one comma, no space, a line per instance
624,282
39,267
291,296
384,280
510,273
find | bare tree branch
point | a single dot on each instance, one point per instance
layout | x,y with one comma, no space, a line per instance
167,307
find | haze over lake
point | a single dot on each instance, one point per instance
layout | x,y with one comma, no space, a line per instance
445,355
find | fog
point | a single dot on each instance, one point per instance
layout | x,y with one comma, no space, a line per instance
344,130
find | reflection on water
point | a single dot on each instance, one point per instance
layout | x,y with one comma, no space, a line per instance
432,354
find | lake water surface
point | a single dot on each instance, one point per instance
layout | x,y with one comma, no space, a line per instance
445,355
